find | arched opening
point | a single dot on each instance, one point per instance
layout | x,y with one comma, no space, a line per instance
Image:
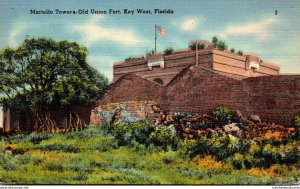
159,81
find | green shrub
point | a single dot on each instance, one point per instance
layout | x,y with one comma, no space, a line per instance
18,151
215,41
81,177
168,51
24,159
37,138
89,131
59,146
237,161
9,166
169,157
136,146
232,50
239,52
106,145
80,168
137,131
222,114
199,46
164,136
221,45
54,166
201,147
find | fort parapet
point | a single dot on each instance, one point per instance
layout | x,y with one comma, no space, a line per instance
167,67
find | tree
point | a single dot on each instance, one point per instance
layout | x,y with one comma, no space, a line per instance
215,41
168,51
199,45
221,45
43,72
239,52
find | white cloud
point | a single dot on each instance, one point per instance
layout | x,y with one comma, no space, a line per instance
92,32
189,24
260,30
15,34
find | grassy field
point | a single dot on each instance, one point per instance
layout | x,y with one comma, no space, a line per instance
92,156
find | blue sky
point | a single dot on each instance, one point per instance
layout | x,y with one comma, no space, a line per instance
251,26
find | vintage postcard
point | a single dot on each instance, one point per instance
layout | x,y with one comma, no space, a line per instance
149,92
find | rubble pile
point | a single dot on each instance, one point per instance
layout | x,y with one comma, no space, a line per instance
195,126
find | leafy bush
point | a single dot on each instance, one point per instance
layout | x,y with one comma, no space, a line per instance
54,166
232,50
221,45
164,136
80,177
169,157
199,46
215,41
18,151
9,166
222,114
37,138
137,131
168,51
106,145
80,168
239,52
59,146
237,161
89,131
144,133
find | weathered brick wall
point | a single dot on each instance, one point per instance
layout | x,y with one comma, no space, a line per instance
132,87
126,111
199,90
275,98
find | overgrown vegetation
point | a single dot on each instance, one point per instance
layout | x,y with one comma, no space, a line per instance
239,52
169,51
221,45
199,46
143,153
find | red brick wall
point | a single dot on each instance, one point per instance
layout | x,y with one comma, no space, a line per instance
132,87
274,98
199,90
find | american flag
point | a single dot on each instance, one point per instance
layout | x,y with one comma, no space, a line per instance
161,30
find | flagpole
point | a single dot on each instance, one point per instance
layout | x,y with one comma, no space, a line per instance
155,40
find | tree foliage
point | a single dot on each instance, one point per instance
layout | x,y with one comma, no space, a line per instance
43,72
215,41
199,46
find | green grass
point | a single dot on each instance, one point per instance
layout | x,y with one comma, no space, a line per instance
92,156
